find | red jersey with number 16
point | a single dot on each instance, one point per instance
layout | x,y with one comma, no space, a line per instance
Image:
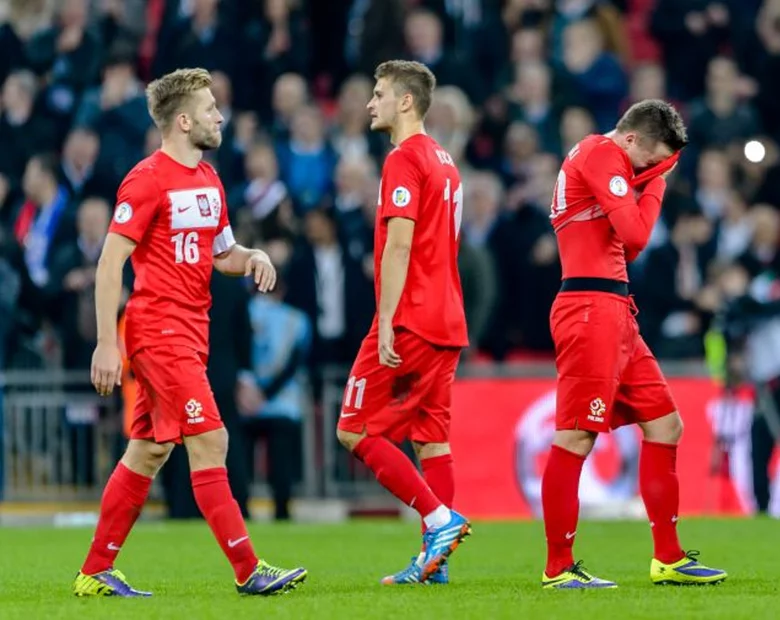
596,217
420,182
177,216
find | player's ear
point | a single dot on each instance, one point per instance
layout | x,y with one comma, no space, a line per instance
407,102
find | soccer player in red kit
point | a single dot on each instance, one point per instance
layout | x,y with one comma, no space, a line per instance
171,220
607,376
399,386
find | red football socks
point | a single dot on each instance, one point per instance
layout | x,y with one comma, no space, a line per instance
122,502
660,491
440,476
221,511
561,505
395,472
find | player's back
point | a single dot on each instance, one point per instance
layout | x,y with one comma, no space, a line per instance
421,182
176,216
594,179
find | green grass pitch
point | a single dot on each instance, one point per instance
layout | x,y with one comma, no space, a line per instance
495,574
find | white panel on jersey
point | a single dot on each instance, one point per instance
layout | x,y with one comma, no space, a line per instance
223,241
195,208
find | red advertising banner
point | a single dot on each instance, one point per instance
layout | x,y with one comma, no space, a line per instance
502,430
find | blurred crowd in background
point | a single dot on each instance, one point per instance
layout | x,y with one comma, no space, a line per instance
520,82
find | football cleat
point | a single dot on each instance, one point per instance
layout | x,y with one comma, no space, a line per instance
267,579
440,542
575,578
685,572
107,583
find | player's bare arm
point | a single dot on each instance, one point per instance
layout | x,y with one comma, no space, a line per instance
107,361
395,265
240,261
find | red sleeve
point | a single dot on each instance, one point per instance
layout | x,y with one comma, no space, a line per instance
401,183
137,202
607,173
224,239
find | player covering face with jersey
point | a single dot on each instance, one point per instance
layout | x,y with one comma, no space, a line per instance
400,383
171,222
607,376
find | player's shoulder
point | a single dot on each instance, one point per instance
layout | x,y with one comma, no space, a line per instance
602,148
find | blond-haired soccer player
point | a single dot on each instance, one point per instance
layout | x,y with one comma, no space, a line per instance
171,221
400,384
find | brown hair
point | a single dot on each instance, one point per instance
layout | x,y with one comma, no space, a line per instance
166,95
410,77
657,121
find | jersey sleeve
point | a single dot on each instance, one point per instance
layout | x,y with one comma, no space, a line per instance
138,200
401,186
224,239
608,174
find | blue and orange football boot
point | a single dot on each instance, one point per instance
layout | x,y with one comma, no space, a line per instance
440,542
413,574
685,572
107,583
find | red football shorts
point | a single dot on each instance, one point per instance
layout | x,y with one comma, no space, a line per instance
174,396
607,376
409,402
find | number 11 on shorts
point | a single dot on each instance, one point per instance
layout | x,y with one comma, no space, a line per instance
353,383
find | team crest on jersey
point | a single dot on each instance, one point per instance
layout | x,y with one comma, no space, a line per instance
203,205
401,196
123,213
618,186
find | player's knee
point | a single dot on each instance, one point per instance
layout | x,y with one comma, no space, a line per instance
430,450
349,440
208,449
146,457
668,429
576,441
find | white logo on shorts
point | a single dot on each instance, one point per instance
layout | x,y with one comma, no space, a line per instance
193,409
597,410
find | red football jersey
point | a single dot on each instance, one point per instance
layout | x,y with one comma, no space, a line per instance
421,182
178,217
594,186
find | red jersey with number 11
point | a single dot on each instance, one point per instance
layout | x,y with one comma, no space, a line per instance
420,182
177,216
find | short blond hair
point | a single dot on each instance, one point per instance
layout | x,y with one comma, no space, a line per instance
167,95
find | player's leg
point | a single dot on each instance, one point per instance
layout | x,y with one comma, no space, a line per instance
379,405
430,440
588,332
190,411
644,398
121,504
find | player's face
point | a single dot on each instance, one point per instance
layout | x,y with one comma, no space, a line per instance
206,130
644,153
383,107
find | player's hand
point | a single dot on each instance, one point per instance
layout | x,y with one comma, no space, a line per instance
387,355
264,272
106,368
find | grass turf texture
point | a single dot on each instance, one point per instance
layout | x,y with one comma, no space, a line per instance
495,574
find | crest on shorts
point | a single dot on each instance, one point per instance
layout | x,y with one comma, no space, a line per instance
597,410
194,409
402,386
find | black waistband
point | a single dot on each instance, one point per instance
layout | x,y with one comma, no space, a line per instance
601,285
